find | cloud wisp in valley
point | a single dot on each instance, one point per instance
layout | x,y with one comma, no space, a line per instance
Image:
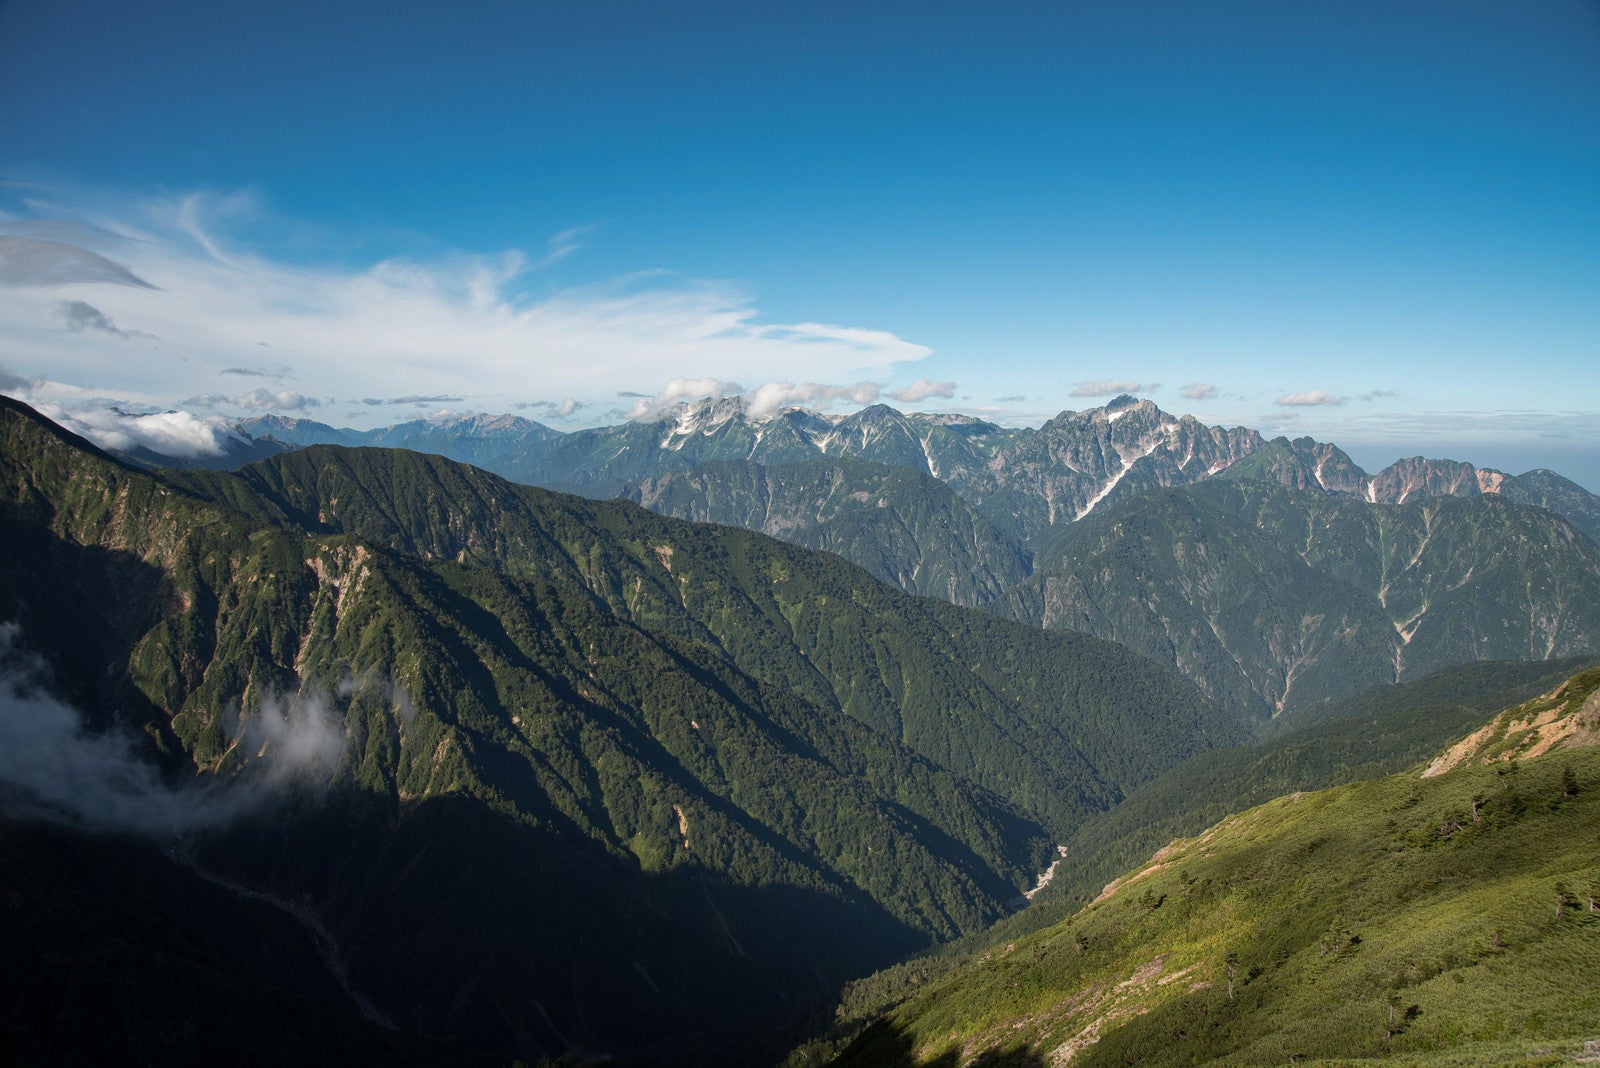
51,768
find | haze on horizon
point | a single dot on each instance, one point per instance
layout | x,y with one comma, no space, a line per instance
1375,224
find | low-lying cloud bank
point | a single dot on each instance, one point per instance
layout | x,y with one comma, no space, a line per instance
176,433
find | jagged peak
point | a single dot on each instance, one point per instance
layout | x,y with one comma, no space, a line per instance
966,426
1117,409
268,423
707,413
805,418
485,423
872,415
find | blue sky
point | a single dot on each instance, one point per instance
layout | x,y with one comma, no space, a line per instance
1377,224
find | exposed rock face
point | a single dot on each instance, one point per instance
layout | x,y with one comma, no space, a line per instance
1027,483
1276,597
1565,717
903,525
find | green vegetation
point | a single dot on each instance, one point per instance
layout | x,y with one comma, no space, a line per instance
1380,732
657,778
902,525
1059,724
669,784
1435,920
1363,591
1360,593
1384,730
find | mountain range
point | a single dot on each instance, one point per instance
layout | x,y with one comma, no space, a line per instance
1101,520
554,775
456,768
1026,481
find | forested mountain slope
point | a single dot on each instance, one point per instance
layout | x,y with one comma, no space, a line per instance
977,514
901,524
1271,597
599,781
1058,723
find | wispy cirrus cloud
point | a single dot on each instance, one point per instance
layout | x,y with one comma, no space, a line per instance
1110,387
414,398
30,262
1199,391
174,267
1310,398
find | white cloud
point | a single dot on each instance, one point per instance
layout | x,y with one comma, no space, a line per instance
14,384
418,398
759,403
256,400
206,401
681,390
1199,391
772,396
564,409
400,324
177,433
921,390
52,769
279,400
1106,388
1310,398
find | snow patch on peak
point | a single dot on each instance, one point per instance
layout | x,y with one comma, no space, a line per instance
1127,465
705,416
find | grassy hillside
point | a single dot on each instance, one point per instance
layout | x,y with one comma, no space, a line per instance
1447,919
1382,731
